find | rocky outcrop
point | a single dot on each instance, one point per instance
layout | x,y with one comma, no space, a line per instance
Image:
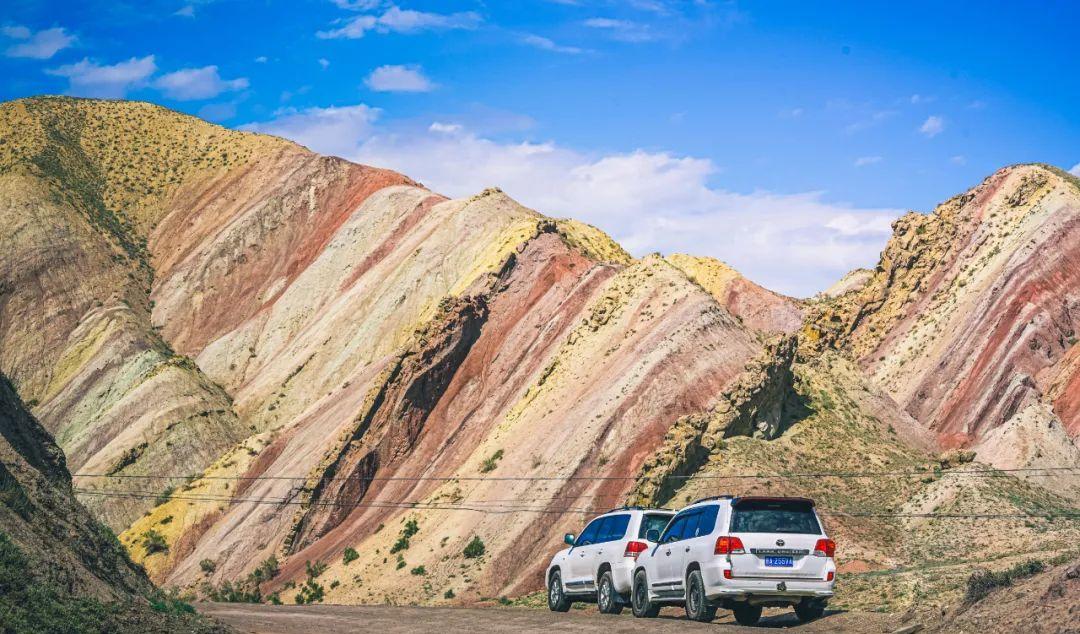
761,403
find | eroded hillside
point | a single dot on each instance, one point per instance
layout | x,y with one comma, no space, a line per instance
285,375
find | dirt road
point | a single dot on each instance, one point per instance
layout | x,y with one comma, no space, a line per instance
342,619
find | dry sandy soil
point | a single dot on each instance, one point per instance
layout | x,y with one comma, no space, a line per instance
342,619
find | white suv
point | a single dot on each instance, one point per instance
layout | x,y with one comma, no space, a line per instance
741,554
599,564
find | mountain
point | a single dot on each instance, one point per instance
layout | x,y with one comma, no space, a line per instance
970,319
285,376
60,569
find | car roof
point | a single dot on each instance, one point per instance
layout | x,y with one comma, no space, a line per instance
642,509
749,498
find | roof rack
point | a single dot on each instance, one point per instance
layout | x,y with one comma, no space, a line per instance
713,497
634,508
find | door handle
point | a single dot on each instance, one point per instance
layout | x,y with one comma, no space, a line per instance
581,554
668,552
687,549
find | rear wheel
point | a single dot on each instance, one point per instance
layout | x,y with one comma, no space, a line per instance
606,597
557,599
697,606
809,609
747,614
639,598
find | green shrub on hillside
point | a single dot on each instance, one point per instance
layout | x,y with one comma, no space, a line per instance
981,582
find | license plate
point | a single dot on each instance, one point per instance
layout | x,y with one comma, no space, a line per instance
779,562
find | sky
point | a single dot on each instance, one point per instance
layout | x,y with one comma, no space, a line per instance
781,137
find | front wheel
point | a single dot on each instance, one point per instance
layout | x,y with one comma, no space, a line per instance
746,614
809,610
557,599
697,606
639,598
606,597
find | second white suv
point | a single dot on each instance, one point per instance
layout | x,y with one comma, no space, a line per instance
599,564
741,554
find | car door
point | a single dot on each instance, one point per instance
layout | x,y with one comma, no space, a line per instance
667,558
681,548
580,558
611,544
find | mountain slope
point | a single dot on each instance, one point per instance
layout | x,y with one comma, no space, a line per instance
970,319
60,569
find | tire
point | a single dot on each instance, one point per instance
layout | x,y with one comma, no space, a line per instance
639,598
606,597
746,614
557,599
697,606
809,610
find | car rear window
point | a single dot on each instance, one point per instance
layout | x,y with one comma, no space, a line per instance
652,521
774,516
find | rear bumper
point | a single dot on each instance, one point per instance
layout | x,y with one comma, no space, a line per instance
762,589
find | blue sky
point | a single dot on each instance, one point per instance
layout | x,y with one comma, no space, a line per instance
782,137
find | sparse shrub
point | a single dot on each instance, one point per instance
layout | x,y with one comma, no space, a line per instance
981,582
411,528
207,565
349,556
169,602
449,594
418,571
400,562
474,548
491,462
164,496
154,542
314,570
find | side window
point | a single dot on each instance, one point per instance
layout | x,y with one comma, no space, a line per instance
603,530
674,529
708,520
616,526
690,527
588,536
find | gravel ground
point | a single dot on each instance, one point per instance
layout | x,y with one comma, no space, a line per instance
342,619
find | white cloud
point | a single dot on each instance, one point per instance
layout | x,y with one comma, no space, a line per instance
546,44
260,59
933,126
41,45
398,20
197,83
356,5
871,121
622,30
395,78
187,11
921,99
90,79
863,161
334,131
959,159
649,201
1075,171
445,128
325,63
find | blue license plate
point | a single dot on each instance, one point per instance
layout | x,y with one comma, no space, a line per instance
779,562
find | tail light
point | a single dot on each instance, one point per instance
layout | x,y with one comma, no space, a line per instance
633,549
830,576
825,548
727,574
727,545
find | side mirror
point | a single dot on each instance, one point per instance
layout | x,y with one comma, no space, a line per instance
652,535
569,538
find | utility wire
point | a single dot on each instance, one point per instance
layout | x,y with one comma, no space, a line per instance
987,473
503,509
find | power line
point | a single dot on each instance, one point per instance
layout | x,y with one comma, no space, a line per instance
503,509
987,473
